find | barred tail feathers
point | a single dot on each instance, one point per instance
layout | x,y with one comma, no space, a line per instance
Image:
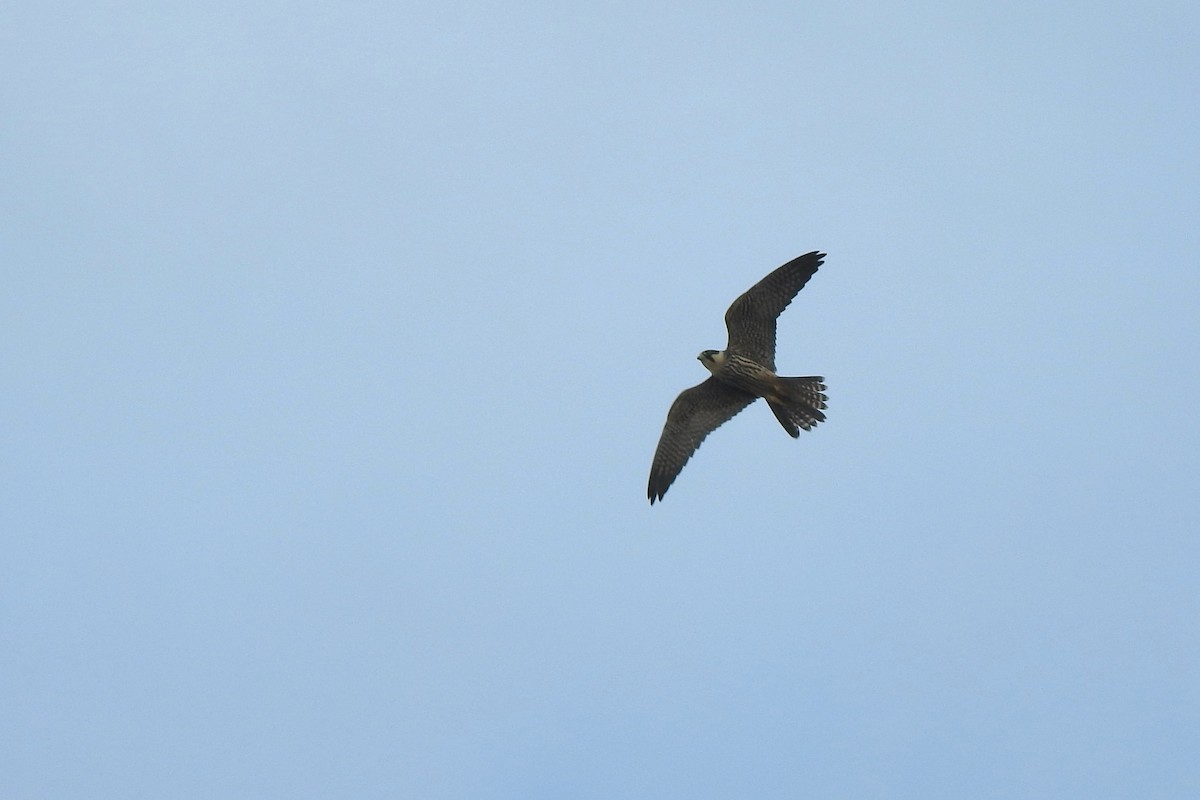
797,403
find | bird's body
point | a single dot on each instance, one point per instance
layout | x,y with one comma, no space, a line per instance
741,373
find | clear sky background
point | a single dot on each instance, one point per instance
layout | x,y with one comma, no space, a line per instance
336,341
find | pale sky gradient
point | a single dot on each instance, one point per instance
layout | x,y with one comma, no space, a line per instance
337,339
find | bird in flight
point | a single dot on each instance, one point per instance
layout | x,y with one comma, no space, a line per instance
741,373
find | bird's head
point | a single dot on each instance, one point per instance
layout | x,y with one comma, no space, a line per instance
712,359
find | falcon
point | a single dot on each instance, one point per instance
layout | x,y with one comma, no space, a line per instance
741,373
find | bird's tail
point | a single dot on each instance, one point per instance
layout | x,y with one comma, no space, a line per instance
797,403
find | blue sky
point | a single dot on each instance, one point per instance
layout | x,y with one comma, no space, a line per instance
337,342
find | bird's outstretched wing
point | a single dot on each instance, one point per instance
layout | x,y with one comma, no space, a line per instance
695,414
751,318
